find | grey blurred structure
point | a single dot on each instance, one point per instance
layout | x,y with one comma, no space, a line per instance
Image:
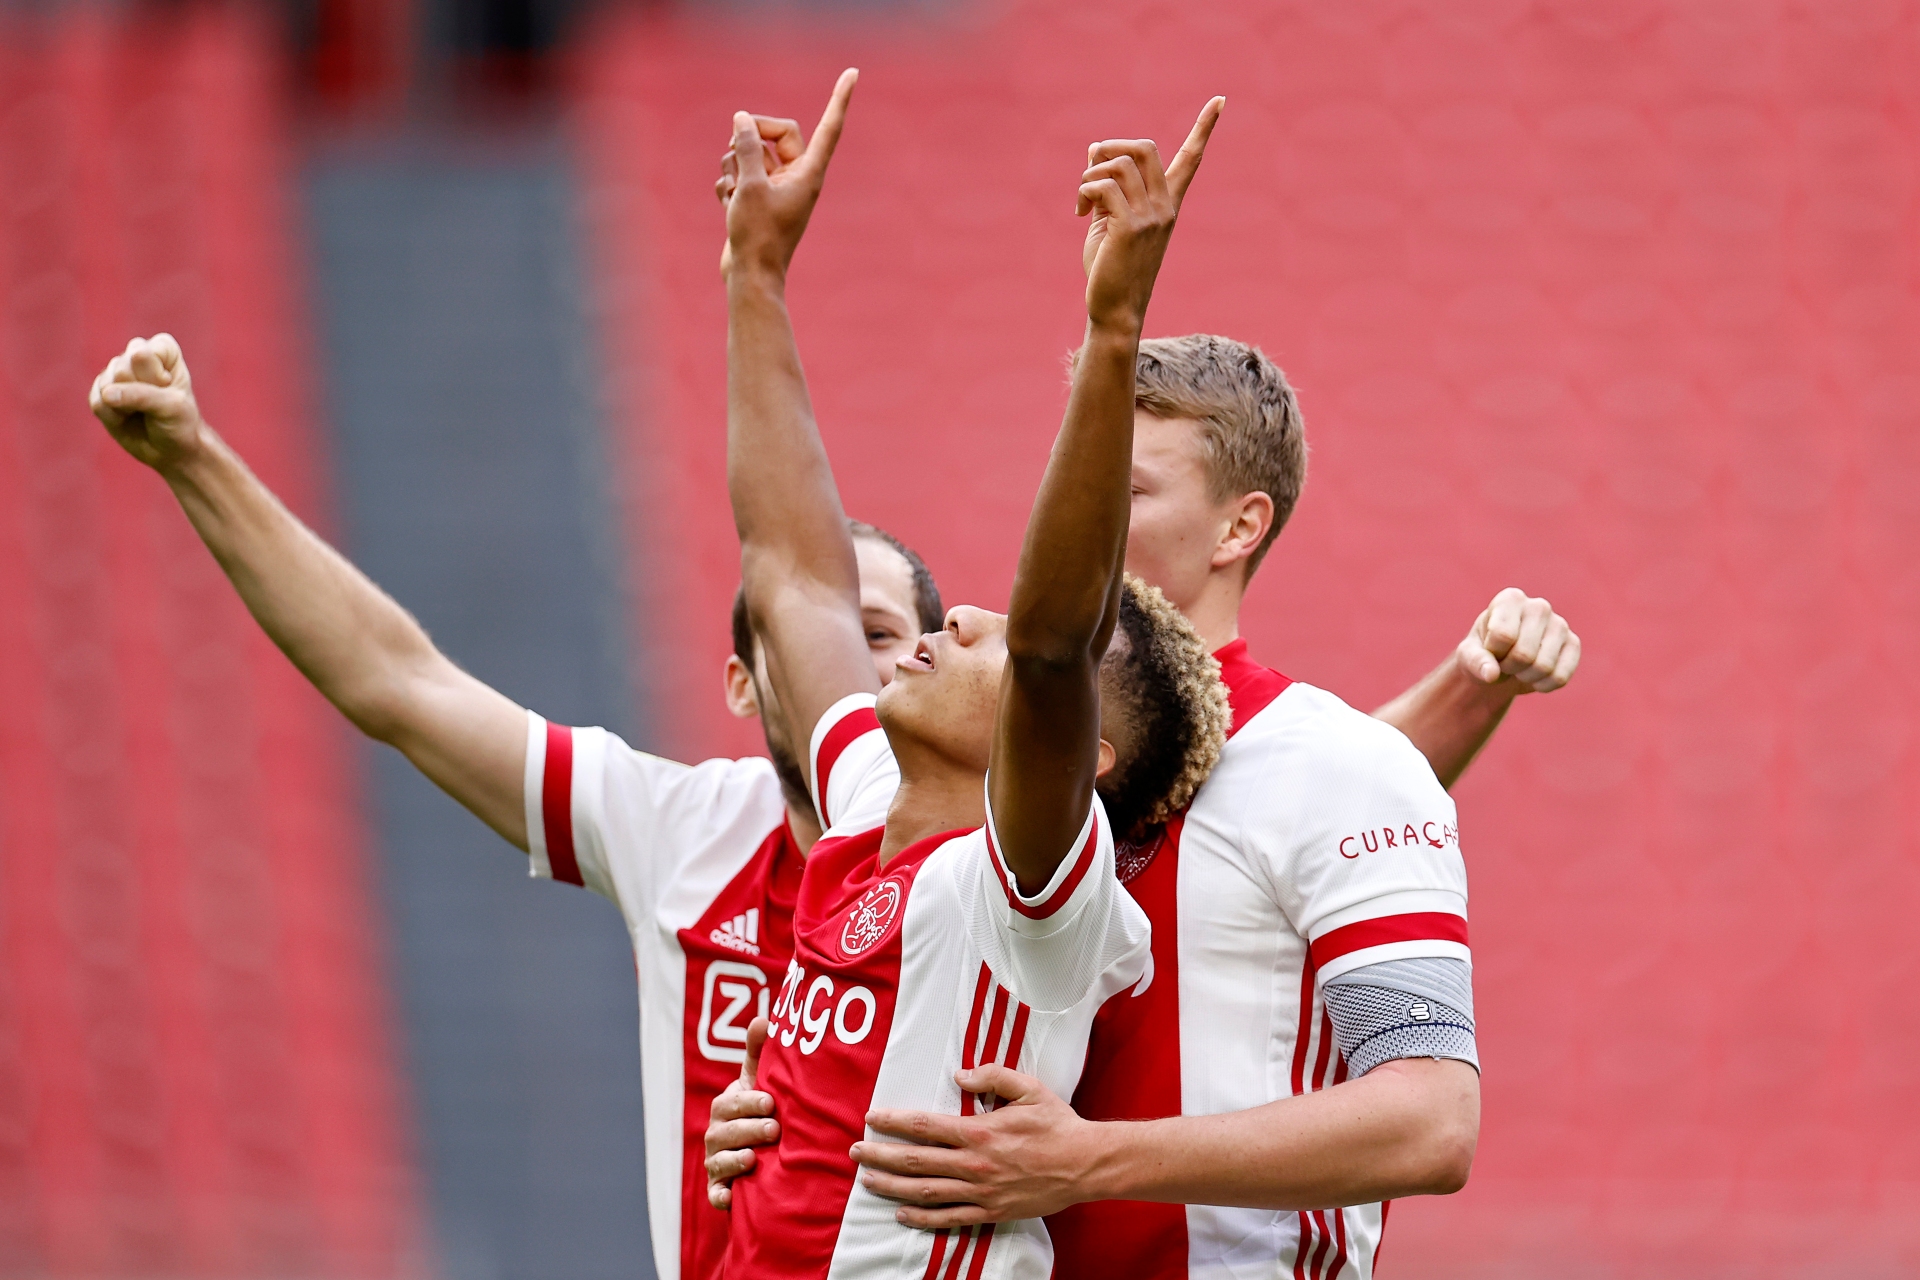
448,282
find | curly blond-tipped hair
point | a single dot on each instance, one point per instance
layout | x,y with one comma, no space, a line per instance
1164,689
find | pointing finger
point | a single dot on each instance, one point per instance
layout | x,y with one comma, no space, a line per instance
826,134
1187,162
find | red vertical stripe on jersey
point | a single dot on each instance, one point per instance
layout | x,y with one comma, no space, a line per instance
1385,1206
1339,1243
967,1059
1325,1054
1305,1033
1321,1244
848,728
959,1256
1414,926
939,1252
556,804
1019,1039
990,1044
982,1243
1302,1248
996,1024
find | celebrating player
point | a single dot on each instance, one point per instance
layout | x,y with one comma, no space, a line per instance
932,932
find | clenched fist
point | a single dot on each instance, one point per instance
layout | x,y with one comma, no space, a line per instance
1521,637
144,397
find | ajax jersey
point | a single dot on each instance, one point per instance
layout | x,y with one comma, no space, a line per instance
702,865
902,975
1321,843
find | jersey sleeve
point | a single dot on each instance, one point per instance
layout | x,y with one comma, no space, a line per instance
854,772
623,823
1079,935
1363,854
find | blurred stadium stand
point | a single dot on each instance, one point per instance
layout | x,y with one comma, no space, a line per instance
462,392
195,1070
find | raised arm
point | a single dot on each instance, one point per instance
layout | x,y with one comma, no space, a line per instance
358,647
1517,645
1047,748
797,563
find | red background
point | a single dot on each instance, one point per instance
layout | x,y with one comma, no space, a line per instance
1614,301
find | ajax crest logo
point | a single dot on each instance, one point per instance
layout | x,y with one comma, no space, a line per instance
871,918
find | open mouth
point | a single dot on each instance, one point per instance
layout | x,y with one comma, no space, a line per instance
920,660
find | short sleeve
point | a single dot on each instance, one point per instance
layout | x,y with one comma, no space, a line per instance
625,824
1363,852
1080,936
854,772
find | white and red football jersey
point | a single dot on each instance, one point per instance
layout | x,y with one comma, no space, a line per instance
902,975
703,866
1321,843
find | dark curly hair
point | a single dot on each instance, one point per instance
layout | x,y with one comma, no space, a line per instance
1164,690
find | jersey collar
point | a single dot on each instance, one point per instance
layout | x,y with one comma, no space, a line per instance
1250,686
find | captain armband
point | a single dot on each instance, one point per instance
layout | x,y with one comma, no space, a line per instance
1418,1008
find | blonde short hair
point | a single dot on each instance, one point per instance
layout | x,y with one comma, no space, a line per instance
1250,424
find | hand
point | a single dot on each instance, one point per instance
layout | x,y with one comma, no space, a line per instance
770,179
1025,1159
739,1120
1520,638
1134,205
144,397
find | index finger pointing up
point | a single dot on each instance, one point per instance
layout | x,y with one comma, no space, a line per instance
826,134
1187,162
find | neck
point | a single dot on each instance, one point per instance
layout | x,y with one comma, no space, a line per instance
935,795
1215,612
803,822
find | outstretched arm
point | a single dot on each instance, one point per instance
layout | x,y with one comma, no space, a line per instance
1066,590
1517,645
358,647
797,563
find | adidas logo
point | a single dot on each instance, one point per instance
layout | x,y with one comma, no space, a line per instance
742,933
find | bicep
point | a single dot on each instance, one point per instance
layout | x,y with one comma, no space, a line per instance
1046,754
470,740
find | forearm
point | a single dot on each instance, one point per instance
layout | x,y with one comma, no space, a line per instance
786,505
1450,716
1406,1128
1063,590
349,638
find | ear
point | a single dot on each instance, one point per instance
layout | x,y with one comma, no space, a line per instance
741,698
1247,521
1108,755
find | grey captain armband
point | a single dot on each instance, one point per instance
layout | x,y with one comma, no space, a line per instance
1403,1009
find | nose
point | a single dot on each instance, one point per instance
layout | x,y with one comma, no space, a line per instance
969,626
